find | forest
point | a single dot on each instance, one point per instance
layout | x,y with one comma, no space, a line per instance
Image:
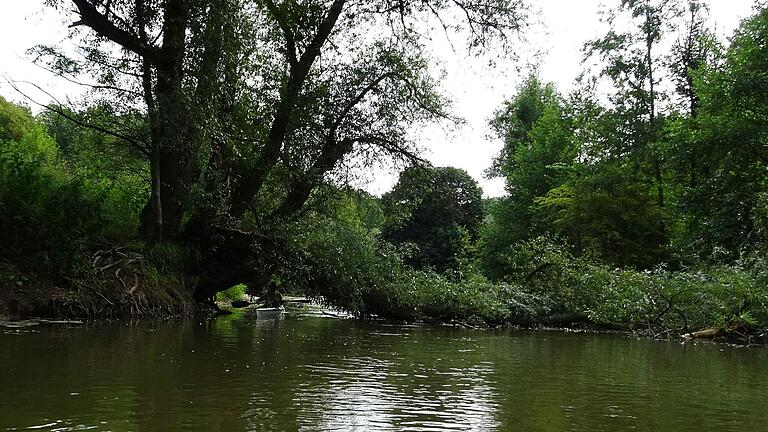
220,140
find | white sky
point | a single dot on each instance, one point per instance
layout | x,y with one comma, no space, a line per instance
557,34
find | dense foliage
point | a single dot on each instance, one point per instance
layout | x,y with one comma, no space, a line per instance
47,213
434,215
667,173
642,207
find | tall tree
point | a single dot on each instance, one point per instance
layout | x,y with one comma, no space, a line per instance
695,50
182,51
438,212
632,60
153,49
729,135
538,147
251,104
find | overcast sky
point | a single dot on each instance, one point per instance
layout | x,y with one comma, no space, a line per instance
554,41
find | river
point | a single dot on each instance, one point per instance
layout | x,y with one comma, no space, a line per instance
309,373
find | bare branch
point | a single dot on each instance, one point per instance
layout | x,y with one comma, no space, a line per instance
393,147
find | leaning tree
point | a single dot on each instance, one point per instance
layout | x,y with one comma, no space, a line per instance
249,105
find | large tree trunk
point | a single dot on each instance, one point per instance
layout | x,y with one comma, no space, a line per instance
176,164
215,99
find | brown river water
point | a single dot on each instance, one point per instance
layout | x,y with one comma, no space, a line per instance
313,373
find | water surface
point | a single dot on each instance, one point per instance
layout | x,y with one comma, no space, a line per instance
319,374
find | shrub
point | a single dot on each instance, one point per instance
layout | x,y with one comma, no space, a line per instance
46,214
719,296
424,295
338,262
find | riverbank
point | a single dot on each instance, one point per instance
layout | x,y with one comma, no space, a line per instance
725,305
40,306
114,290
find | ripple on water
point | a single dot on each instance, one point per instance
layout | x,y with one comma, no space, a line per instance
368,394
330,375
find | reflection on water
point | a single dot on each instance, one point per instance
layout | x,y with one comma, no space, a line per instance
316,374
370,394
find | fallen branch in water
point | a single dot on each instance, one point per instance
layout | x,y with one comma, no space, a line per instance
710,333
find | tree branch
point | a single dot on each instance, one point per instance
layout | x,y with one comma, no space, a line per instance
100,23
138,144
290,41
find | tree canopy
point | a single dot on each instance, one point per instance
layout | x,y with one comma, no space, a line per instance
219,140
251,104
436,212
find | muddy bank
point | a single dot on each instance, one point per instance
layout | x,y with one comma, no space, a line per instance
74,304
24,295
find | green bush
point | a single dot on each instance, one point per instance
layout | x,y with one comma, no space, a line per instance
722,297
61,196
338,262
716,296
47,215
350,268
421,295
235,293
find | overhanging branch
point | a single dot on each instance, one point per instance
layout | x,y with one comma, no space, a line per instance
101,24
